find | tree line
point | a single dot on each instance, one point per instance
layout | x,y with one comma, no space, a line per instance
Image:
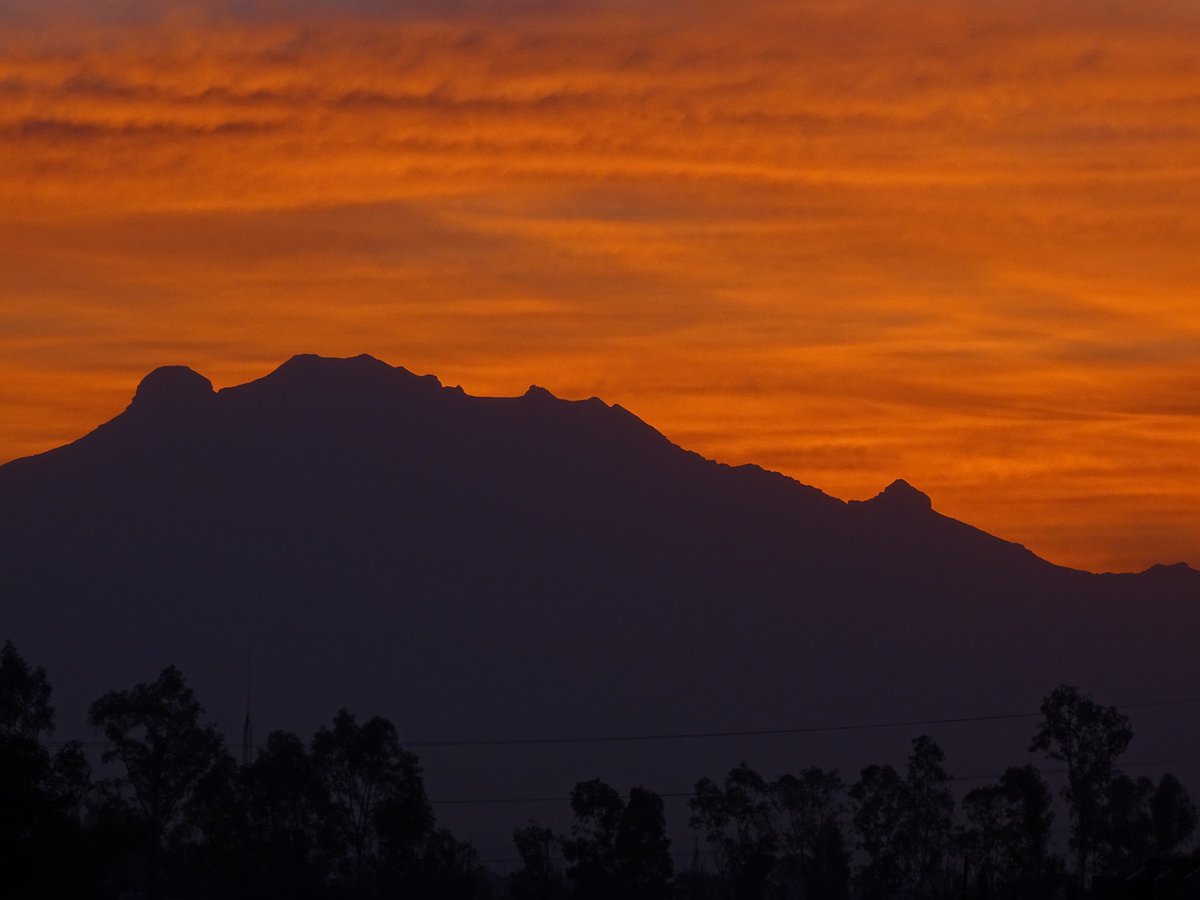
170,813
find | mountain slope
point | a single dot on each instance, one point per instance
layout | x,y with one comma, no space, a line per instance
497,567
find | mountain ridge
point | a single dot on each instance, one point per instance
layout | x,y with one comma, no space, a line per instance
178,390
500,566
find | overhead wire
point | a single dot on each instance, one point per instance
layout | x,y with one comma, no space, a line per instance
716,734
703,735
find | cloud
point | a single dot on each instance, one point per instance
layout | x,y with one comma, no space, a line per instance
951,242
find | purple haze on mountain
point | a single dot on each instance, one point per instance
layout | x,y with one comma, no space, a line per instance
350,534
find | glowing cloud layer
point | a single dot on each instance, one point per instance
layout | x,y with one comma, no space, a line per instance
952,241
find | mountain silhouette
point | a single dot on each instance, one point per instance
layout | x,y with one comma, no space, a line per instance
349,533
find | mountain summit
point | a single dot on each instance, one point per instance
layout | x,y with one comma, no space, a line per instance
902,497
172,387
499,567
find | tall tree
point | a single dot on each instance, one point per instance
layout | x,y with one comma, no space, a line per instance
268,824
220,859
154,732
929,819
1173,813
591,849
538,878
736,820
447,869
71,781
810,808
376,789
643,848
904,825
25,710
1088,738
1125,833
880,798
26,717
1141,820
41,797
618,847
1007,838
695,882
289,812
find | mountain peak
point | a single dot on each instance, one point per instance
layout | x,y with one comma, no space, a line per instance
902,495
310,363
307,370
1170,570
172,387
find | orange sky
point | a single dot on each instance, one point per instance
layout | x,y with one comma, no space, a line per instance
957,242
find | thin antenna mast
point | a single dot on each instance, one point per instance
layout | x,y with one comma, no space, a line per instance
247,728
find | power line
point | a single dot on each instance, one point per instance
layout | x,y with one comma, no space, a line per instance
807,661
678,795
709,735
760,732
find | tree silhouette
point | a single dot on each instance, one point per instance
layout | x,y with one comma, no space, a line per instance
262,830
1173,813
289,840
377,792
929,819
25,709
349,818
25,717
41,797
735,819
219,858
538,878
880,802
591,849
1125,832
1088,738
813,845
904,825
154,732
617,848
695,883
446,869
1007,838
71,781
1141,820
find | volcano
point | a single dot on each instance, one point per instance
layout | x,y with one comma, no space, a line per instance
509,578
